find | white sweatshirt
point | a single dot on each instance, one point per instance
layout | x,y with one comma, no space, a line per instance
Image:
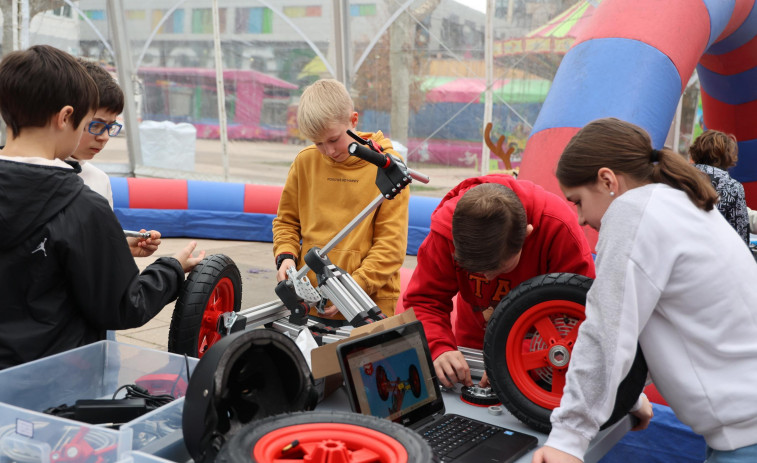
682,282
97,180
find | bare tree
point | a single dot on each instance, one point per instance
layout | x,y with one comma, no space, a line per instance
403,62
35,7
387,81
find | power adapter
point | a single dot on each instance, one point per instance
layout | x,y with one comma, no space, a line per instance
99,411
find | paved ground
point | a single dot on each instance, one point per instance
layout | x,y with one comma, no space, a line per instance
250,162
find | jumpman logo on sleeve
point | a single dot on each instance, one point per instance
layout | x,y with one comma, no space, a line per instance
41,247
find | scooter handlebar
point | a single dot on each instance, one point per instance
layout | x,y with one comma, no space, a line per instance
379,159
382,160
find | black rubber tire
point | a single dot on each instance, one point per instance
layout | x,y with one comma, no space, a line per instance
414,378
382,383
186,321
544,288
239,448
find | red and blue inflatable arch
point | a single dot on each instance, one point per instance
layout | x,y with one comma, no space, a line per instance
633,60
218,210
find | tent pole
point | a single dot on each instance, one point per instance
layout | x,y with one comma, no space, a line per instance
220,91
14,25
341,41
24,33
488,58
126,78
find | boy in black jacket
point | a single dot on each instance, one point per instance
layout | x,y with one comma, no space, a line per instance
66,275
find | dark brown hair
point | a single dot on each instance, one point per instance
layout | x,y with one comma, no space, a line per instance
716,149
627,149
111,95
488,227
38,82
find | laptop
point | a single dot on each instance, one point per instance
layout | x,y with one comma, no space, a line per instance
390,375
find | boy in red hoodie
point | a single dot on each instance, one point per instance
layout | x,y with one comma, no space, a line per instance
488,235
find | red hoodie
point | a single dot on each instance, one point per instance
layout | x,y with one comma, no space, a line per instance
556,244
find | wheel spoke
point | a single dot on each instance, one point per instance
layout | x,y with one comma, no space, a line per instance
547,330
213,337
558,381
288,460
207,339
534,360
570,336
364,456
215,301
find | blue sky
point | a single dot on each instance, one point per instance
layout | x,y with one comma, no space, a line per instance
479,5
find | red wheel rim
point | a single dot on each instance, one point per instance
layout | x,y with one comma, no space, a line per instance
322,442
538,349
221,300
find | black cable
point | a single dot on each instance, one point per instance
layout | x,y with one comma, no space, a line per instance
153,401
132,392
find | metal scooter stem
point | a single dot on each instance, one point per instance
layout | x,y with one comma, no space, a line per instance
344,232
367,154
276,309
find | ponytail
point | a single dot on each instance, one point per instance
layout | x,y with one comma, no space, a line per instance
627,149
673,170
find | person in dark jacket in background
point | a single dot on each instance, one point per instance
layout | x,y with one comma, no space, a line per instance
66,274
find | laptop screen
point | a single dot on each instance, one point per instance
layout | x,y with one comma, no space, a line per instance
390,375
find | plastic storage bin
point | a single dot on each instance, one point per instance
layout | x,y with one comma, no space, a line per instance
94,371
139,457
159,432
27,436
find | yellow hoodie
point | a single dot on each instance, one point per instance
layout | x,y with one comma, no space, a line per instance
321,197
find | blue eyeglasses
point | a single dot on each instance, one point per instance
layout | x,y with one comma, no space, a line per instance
98,128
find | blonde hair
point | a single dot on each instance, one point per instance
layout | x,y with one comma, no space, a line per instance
323,104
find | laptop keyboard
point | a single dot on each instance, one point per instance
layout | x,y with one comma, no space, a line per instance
454,435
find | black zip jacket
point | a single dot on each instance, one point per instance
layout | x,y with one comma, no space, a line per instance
66,272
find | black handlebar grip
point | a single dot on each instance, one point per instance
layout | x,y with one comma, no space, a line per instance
367,154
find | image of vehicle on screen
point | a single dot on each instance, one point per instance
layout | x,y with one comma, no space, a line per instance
393,384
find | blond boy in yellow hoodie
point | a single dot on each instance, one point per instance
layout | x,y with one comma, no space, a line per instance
325,189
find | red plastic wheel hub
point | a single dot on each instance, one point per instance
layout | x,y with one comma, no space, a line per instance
221,300
539,347
328,443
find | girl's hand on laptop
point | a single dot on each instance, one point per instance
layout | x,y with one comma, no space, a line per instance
552,455
452,368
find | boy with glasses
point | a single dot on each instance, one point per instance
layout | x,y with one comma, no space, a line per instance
96,136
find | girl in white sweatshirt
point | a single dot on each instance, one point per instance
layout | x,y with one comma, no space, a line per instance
672,275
